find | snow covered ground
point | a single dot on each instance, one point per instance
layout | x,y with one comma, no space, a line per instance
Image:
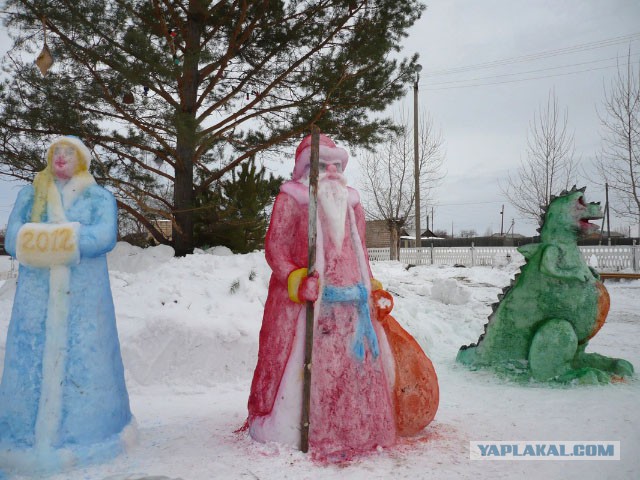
189,334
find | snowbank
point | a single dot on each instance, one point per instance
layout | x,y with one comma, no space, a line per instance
187,322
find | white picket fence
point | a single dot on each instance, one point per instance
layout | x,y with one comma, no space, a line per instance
8,267
607,258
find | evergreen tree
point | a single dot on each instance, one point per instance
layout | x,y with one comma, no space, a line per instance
234,213
178,93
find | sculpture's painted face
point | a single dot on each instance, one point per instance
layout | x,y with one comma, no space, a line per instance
587,211
64,162
332,169
571,213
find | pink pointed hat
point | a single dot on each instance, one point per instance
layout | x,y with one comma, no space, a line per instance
329,152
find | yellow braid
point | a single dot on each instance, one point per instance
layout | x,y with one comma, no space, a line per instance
41,190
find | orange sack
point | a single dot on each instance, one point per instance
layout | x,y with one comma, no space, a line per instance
415,393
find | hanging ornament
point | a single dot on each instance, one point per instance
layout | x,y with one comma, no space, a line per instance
173,33
44,59
172,46
247,95
128,98
145,90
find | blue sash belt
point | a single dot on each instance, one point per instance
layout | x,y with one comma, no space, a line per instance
364,331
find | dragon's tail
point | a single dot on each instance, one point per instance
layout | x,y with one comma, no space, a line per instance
467,354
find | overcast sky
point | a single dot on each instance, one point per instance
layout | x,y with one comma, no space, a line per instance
485,126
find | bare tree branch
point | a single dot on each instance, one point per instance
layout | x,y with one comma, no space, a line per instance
618,163
388,184
550,166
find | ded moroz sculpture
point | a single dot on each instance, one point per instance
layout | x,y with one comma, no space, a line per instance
356,402
63,399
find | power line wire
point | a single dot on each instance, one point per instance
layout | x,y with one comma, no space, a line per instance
526,79
519,73
537,56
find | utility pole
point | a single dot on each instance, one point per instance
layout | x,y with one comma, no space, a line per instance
606,203
416,156
502,221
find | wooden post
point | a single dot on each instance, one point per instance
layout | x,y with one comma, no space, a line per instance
473,255
606,190
308,344
416,168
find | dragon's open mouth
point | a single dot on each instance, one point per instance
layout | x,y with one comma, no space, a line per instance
586,224
591,211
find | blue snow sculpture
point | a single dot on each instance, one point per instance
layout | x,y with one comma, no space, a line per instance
63,399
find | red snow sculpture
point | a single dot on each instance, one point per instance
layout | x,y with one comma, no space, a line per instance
353,408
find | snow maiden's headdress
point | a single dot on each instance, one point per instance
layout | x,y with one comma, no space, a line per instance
328,152
46,196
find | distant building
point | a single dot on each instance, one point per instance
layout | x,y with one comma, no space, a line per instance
145,238
409,240
165,227
378,235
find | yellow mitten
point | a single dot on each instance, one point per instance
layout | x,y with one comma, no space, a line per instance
302,287
376,285
293,283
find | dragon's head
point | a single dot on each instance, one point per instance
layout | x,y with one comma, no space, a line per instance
568,216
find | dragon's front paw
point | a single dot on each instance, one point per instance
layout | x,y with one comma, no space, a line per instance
622,368
585,376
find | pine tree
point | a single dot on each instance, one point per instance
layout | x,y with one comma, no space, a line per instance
179,93
234,213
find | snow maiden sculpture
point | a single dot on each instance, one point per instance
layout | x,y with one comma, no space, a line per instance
356,399
63,400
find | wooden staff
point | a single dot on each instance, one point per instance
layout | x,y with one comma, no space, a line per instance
308,343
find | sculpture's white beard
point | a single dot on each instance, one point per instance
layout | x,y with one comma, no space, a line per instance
332,207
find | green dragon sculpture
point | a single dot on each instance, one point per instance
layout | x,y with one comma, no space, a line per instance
542,323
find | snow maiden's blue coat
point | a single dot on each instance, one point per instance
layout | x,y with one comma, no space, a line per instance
88,416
